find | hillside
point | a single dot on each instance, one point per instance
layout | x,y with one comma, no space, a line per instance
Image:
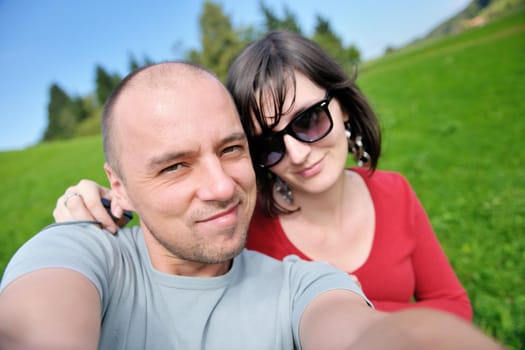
452,113
477,13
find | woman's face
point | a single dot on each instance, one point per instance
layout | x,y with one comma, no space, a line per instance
311,167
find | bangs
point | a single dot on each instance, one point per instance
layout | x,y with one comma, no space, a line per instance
272,85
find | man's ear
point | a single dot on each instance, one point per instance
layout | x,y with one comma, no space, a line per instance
119,189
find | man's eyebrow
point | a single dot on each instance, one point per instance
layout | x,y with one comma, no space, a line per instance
167,157
173,156
238,136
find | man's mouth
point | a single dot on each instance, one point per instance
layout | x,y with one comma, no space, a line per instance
226,216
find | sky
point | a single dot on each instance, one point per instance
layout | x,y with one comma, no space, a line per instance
61,41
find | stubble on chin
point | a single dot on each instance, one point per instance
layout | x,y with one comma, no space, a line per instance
204,247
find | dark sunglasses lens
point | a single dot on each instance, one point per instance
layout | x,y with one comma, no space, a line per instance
312,125
271,150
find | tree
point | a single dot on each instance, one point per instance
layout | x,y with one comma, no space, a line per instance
273,22
220,42
134,64
105,84
331,42
61,115
65,114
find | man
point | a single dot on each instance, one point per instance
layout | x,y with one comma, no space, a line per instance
177,155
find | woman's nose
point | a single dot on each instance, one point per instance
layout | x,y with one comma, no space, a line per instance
296,150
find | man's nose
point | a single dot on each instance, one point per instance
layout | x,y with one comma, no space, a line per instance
215,183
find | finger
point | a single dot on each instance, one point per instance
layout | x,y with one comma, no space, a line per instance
116,209
92,193
86,207
103,191
61,200
61,212
72,208
80,209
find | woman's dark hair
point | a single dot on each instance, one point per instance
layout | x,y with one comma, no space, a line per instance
265,69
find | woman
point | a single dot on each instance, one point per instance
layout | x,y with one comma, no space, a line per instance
303,114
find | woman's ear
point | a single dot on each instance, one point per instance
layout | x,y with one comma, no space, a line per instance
345,117
120,193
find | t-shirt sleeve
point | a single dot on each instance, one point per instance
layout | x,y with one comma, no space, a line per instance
309,280
77,246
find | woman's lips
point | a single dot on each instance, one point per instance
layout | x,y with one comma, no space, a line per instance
311,170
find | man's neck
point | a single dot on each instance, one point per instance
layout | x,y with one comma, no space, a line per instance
166,262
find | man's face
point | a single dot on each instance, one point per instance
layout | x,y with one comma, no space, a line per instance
187,171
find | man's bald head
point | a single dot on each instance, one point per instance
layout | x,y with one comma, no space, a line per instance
174,77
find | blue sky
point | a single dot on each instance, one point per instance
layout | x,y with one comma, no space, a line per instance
61,41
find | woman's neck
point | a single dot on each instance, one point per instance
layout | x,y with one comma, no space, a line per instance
329,207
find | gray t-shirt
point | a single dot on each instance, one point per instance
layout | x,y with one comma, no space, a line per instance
256,305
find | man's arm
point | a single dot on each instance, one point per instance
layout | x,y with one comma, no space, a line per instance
50,309
340,319
335,319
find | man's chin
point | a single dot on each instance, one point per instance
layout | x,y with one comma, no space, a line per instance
228,251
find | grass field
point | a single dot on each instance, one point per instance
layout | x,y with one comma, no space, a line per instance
453,121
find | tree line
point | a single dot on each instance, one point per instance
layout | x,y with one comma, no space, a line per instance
72,116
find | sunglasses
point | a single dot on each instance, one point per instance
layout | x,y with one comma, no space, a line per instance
309,126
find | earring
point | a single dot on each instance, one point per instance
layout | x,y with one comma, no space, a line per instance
283,190
356,147
361,156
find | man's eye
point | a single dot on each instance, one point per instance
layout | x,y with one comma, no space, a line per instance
233,148
171,168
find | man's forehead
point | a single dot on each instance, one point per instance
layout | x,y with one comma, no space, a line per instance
159,110
174,77
159,89
170,73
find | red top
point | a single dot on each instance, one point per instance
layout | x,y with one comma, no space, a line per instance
406,261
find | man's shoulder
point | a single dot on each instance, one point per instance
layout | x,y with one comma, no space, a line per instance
254,262
292,267
298,281
79,246
266,268
86,231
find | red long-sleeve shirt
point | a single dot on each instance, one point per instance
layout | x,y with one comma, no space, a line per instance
406,262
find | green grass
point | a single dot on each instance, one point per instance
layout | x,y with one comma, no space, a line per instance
452,113
453,120
32,180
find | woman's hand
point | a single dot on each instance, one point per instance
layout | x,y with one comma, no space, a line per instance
83,202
